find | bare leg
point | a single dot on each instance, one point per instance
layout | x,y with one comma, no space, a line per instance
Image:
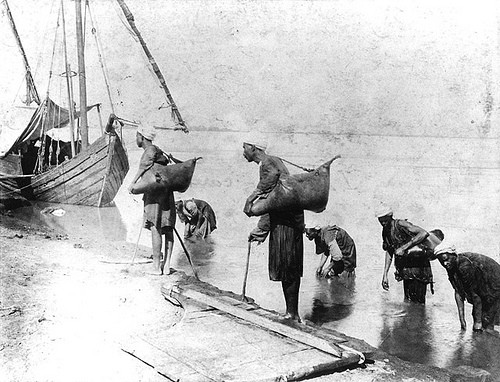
169,246
156,242
291,292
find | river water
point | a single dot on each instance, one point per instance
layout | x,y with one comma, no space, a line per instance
359,307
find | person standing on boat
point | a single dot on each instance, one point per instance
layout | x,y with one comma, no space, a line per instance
399,238
335,243
285,228
159,206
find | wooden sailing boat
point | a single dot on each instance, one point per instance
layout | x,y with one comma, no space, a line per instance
12,181
93,175
89,177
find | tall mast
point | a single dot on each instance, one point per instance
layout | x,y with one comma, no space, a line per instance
68,85
81,72
31,92
175,112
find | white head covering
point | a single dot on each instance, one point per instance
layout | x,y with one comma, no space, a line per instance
146,131
190,206
444,248
383,210
258,140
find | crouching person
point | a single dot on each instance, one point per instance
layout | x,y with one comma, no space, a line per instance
335,243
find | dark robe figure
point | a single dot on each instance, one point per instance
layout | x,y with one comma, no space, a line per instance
399,236
475,278
198,216
285,229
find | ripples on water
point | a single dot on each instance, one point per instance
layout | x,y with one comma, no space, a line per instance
359,307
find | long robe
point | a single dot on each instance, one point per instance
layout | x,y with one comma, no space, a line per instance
285,228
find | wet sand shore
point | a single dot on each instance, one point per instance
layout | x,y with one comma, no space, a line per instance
67,304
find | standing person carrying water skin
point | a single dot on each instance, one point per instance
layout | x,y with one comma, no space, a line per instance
159,206
285,228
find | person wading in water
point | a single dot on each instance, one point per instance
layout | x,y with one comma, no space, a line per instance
159,206
335,243
198,216
285,228
475,278
412,266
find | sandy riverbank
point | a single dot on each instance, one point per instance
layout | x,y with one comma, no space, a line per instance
66,307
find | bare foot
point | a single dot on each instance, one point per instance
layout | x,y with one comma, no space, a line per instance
155,273
168,271
292,317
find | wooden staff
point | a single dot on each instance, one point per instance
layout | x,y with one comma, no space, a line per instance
243,298
187,254
137,243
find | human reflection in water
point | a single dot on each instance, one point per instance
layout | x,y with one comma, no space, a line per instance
476,350
406,333
334,298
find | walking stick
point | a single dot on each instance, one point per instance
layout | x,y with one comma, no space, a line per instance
137,243
243,298
187,254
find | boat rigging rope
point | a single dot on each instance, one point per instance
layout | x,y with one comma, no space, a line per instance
102,60
54,50
42,46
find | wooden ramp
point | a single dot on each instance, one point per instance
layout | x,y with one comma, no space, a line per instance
221,338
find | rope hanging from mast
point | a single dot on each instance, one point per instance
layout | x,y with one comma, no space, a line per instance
95,32
176,115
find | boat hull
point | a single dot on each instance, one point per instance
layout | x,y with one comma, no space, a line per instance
91,178
11,178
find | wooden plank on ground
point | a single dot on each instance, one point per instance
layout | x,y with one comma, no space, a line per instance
262,321
162,362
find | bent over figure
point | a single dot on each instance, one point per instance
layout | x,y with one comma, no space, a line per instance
475,278
198,217
399,237
335,243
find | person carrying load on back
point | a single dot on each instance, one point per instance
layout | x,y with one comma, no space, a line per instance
159,206
285,228
198,217
401,240
335,243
